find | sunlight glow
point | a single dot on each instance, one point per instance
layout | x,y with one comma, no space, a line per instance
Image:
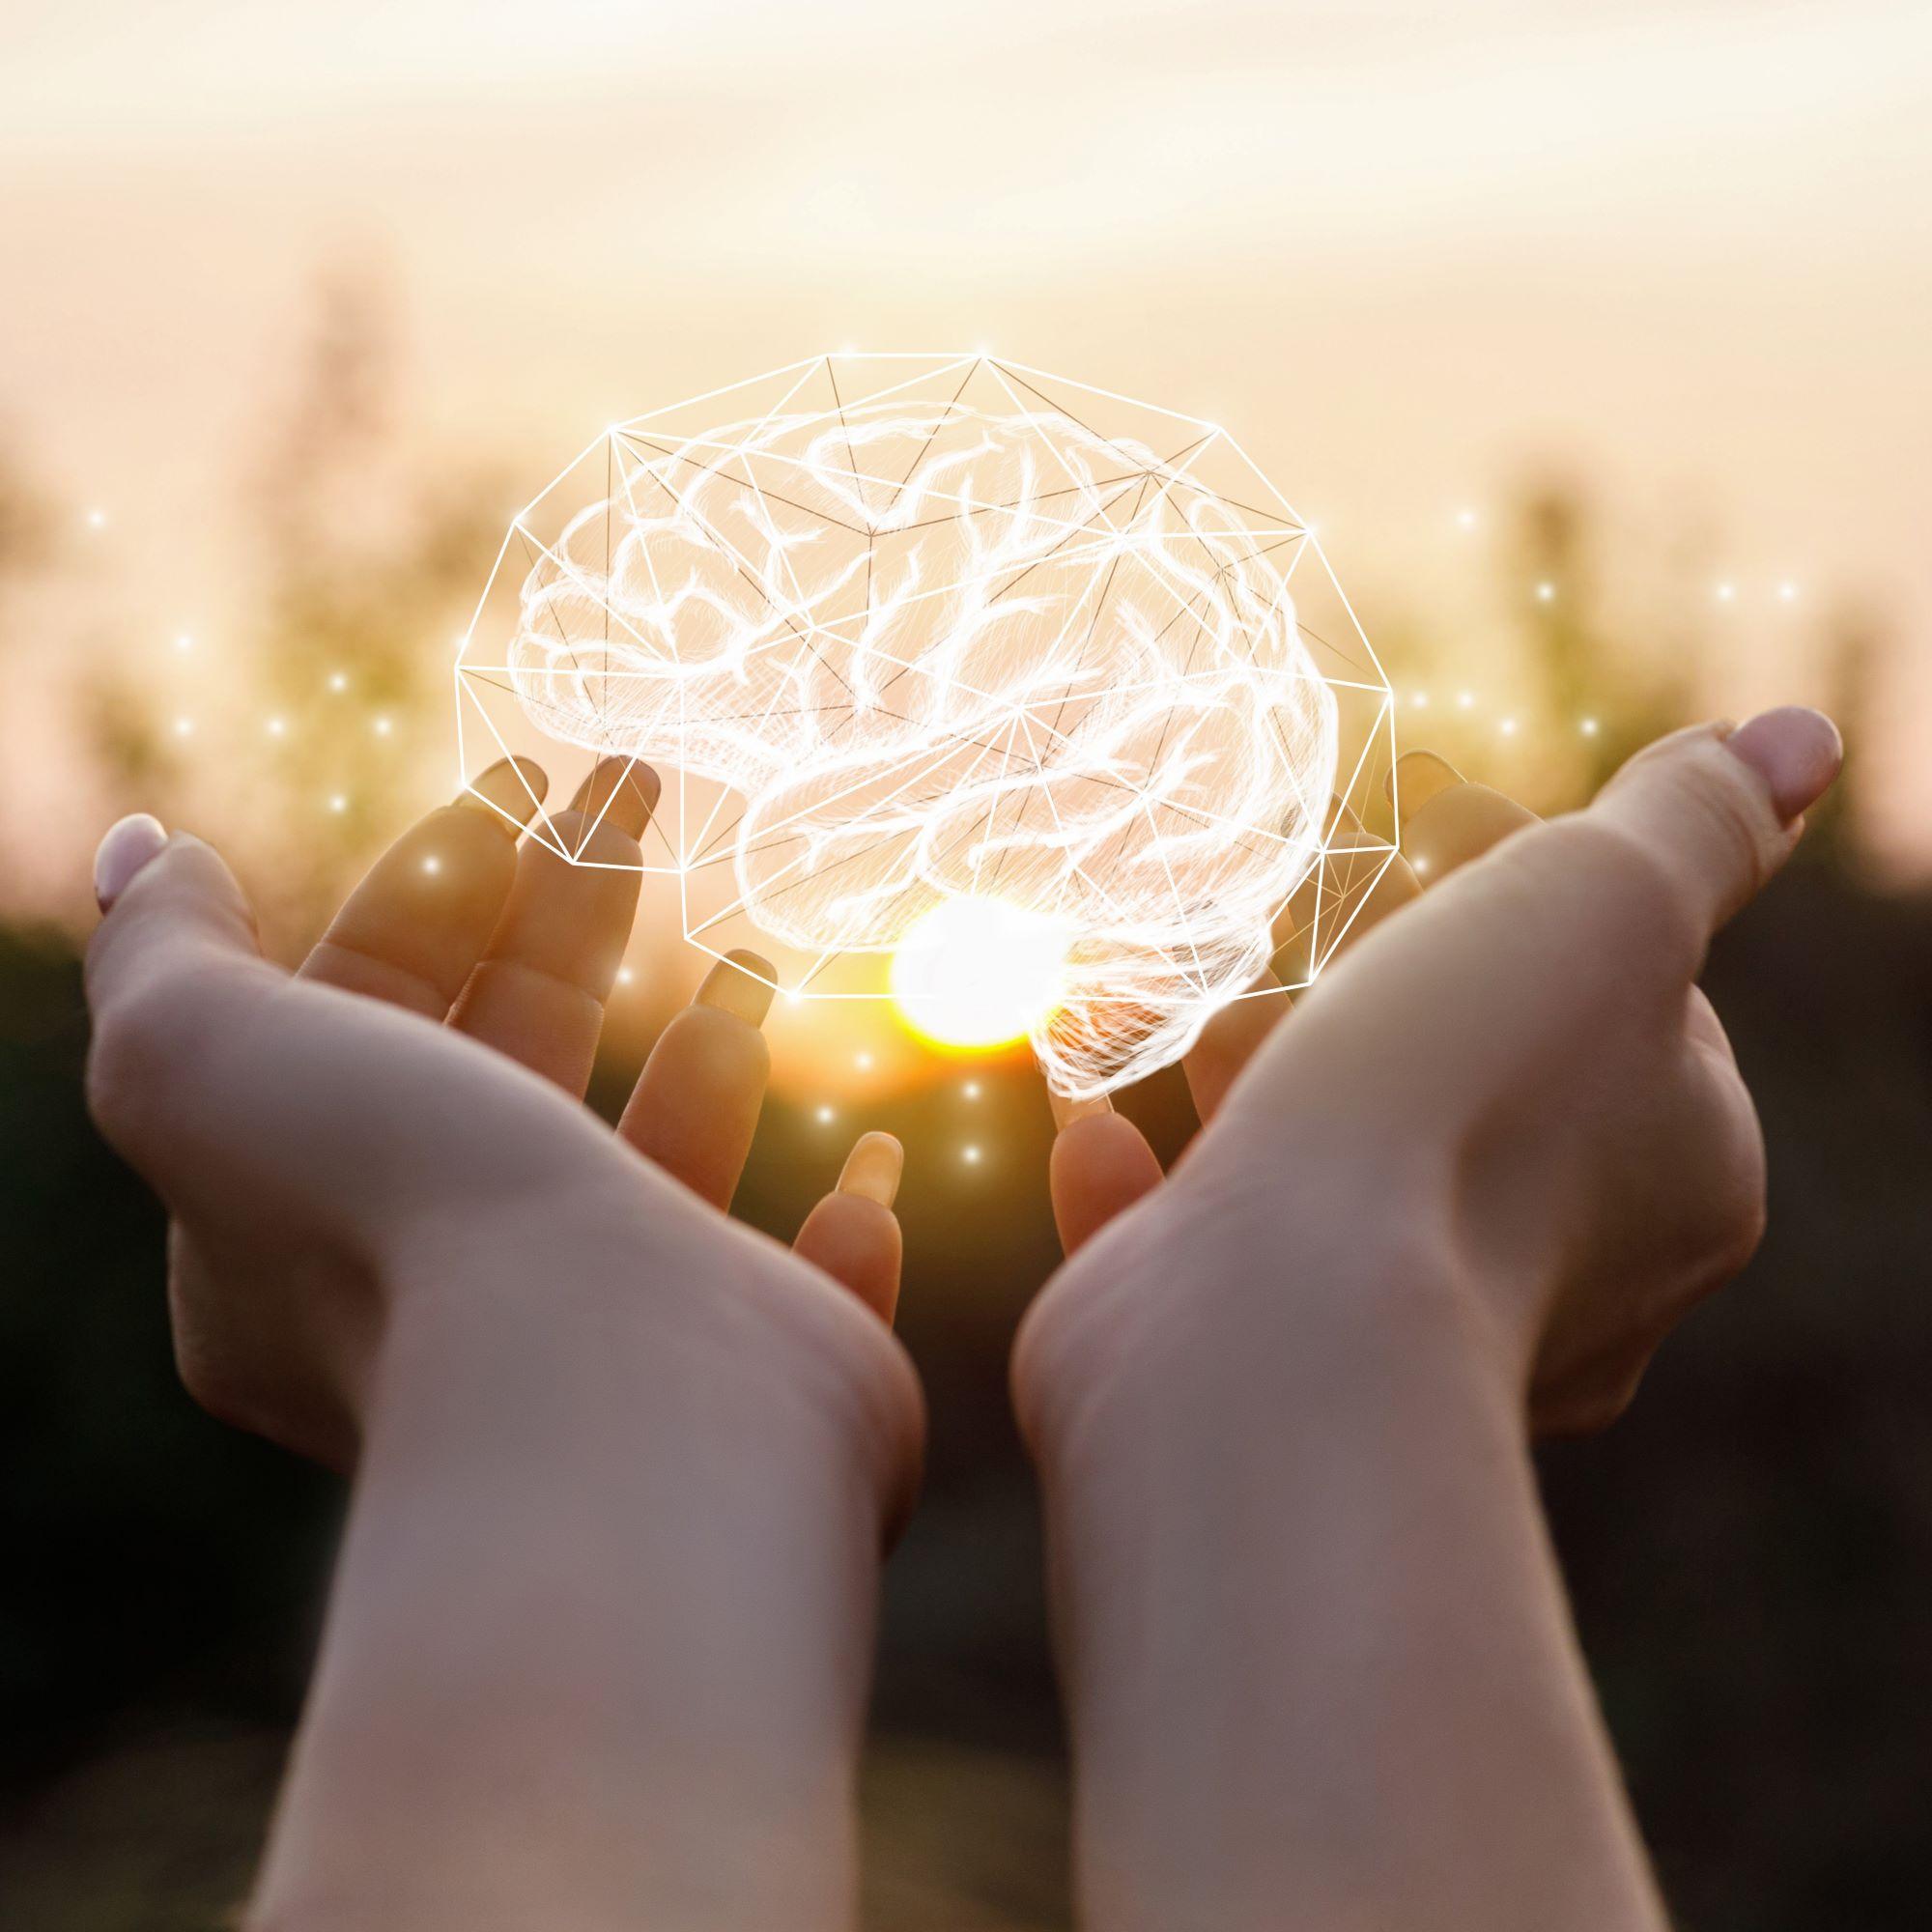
977,972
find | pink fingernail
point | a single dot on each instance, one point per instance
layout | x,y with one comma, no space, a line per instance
131,842
1797,752
742,984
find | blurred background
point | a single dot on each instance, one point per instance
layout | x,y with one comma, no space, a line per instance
1592,339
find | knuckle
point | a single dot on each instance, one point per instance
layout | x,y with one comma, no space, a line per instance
212,1390
1588,1406
211,1374
1738,1238
1731,818
1738,1211
127,1063
1619,886
150,1039
1638,890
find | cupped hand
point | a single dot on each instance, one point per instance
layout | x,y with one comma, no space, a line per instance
421,1072
1515,1089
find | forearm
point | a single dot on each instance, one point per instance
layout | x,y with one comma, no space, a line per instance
1318,1656
596,1650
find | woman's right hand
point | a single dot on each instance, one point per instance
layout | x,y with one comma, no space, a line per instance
1516,1077
1319,1664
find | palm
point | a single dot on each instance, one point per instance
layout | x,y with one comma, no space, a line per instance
477,965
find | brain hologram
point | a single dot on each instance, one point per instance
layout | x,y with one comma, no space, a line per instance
955,629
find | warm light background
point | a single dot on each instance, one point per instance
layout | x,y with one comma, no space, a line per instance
1412,254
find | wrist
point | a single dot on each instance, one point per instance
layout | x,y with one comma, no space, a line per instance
601,1625
683,1302
1318,1454
1305,1278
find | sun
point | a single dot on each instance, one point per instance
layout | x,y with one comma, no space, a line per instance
977,972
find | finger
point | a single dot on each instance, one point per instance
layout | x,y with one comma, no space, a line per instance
853,1234
176,957
696,1105
1720,811
618,791
169,906
199,1043
1100,1165
1228,1041
1358,883
1364,880
1446,821
128,845
538,992
411,931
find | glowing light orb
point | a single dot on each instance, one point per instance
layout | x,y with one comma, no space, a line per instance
977,972
940,656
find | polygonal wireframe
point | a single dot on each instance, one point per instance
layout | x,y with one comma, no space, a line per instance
898,629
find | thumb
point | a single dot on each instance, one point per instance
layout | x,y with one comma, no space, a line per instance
176,943
1721,809
169,907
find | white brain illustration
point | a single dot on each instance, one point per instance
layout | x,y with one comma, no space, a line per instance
942,644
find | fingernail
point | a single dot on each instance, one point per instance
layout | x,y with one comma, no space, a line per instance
131,842
741,983
1420,775
1067,1110
872,1168
1797,752
631,787
511,789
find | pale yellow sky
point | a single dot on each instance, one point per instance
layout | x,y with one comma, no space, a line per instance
1404,250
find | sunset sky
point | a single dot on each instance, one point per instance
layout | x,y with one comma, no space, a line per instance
1411,253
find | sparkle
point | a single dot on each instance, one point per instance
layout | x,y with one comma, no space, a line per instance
183,642
338,681
1507,727
826,1116
277,727
431,865
382,726
1465,520
1588,727
338,803
970,1154
1546,593
1728,594
1419,699
1787,592
97,519
1465,701
862,1062
625,976
971,1089
183,727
